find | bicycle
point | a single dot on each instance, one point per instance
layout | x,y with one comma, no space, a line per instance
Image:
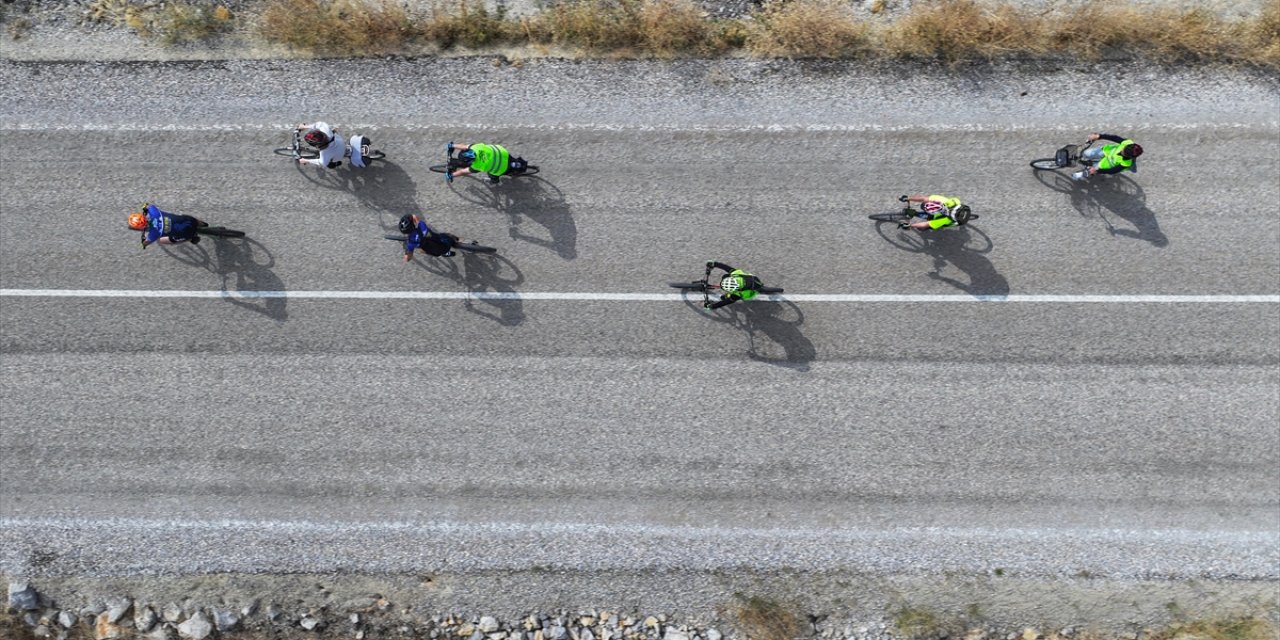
453,164
299,150
906,214
1065,157
216,232
473,246
707,287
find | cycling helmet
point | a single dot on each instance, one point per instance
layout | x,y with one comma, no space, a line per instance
468,155
137,221
406,224
1132,151
960,214
729,283
933,207
317,138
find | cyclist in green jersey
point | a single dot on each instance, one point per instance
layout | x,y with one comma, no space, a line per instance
491,159
735,285
936,212
1110,158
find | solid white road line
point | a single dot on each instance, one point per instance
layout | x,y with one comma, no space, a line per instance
634,297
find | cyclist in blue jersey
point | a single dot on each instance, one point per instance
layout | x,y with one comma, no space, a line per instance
165,228
420,236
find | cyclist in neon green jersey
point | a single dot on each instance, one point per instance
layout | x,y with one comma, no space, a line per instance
491,159
1110,158
936,212
735,285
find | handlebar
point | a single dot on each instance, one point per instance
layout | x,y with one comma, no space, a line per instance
903,198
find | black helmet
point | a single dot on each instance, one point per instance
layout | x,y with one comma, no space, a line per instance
1131,151
406,224
960,214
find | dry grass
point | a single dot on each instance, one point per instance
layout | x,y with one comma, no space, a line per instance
1099,29
764,619
1261,37
624,28
1228,629
955,30
338,27
466,23
173,22
807,29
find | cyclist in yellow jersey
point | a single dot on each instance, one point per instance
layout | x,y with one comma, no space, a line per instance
491,159
1110,158
936,212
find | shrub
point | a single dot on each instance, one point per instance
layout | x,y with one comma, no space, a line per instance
806,29
955,30
467,23
337,27
764,619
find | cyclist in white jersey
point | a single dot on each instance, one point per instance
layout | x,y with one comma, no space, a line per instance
327,141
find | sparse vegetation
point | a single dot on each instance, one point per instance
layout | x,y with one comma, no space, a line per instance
761,618
807,29
172,22
338,27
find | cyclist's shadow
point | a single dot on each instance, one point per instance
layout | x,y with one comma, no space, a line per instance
244,265
382,186
481,273
772,328
1118,194
531,198
964,248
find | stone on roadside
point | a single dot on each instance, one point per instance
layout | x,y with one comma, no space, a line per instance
104,629
22,596
310,623
714,634
1030,634
557,633
488,624
117,607
67,618
161,632
651,622
171,612
225,620
144,619
587,635
675,634
196,627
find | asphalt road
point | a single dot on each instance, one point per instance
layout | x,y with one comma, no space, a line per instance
1115,436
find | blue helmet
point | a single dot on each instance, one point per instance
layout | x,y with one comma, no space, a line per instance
468,155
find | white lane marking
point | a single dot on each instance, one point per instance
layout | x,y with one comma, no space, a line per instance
610,126
630,297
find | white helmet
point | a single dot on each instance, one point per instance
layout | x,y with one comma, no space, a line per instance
729,283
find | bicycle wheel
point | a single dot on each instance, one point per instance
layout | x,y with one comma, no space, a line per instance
397,238
376,155
1045,164
221,232
897,216
696,285
529,170
439,168
768,290
474,247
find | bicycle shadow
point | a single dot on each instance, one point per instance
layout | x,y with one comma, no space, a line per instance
528,197
244,264
964,248
1118,194
779,325
481,274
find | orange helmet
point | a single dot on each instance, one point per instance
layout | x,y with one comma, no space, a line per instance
138,221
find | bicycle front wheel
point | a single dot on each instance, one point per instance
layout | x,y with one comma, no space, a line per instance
896,216
696,285
439,168
768,290
221,232
474,247
375,155
529,170
397,238
1045,164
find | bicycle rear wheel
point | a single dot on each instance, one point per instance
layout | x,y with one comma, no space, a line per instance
1045,164
474,247
696,285
439,168
529,170
397,238
376,155
221,232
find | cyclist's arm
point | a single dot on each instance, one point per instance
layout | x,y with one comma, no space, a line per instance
1110,138
725,300
721,265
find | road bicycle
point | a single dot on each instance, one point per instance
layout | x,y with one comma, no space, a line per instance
708,288
907,214
216,232
473,246
1065,157
453,164
299,150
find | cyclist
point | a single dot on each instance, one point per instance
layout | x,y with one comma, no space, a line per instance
420,236
491,159
936,212
735,285
1110,158
327,141
163,227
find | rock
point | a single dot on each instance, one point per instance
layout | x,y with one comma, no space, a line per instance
67,619
1030,634
465,630
249,609
31,618
530,623
675,634
117,607
476,635
196,627
557,633
586,621
538,635
104,629
22,596
1129,636
171,612
714,634
651,622
161,632
41,631
488,624
274,614
225,620
354,618
144,619
1067,632
587,635
310,623
497,635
